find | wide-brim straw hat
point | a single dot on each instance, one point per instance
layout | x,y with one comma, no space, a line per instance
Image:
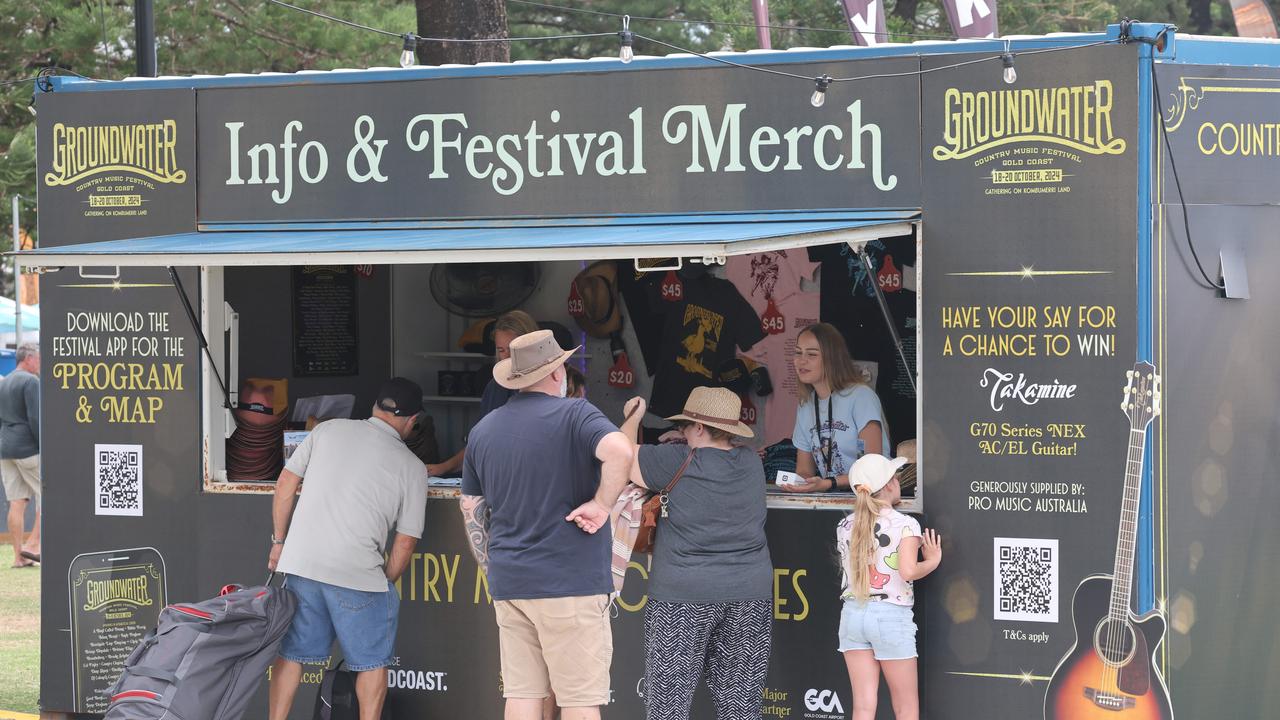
719,408
534,356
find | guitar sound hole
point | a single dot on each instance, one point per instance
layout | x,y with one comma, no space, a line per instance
1115,641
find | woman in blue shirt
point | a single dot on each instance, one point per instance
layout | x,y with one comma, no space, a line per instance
839,418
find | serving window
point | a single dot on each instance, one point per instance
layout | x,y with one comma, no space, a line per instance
318,340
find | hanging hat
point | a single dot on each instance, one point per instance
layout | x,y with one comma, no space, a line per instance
597,285
478,337
715,407
874,471
534,356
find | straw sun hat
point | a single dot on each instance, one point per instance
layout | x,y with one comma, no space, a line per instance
719,408
534,356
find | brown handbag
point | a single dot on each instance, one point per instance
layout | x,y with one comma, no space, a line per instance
655,507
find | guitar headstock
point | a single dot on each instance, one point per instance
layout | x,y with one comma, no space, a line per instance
1141,395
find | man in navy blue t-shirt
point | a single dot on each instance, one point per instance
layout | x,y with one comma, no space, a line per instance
538,480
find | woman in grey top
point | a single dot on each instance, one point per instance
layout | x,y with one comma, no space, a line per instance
710,608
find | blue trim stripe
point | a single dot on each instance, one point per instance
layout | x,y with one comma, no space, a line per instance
473,237
1145,555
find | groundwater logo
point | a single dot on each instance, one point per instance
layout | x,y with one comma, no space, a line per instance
1077,117
147,149
822,701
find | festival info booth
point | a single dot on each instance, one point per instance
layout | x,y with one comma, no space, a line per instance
999,250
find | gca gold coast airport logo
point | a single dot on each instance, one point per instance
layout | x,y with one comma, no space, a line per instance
1028,138
115,163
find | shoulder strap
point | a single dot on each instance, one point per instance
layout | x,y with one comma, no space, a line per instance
679,474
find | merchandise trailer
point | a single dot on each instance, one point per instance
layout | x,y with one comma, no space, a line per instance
1073,265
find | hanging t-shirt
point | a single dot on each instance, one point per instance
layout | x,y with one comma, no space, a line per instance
774,283
828,429
886,582
700,333
640,291
849,303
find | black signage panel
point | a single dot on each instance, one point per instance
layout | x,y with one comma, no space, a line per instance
120,391
571,144
115,165
325,331
116,598
1223,134
1030,314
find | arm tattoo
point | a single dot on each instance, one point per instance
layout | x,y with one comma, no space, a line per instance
475,519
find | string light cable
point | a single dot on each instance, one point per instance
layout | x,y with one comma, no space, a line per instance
1173,166
727,23
822,82
627,37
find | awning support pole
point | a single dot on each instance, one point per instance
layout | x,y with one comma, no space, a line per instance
888,316
17,278
204,343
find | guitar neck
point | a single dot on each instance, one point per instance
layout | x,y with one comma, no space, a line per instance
1127,540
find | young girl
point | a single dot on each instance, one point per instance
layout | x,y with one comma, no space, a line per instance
839,417
879,549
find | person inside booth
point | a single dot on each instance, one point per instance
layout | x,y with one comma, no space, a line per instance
506,328
839,418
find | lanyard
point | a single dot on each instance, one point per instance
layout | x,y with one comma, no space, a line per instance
825,449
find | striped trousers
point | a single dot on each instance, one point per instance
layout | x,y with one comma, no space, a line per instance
728,643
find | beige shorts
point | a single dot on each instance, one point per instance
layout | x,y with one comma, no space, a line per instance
561,644
21,478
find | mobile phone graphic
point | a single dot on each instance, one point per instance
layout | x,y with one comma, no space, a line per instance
116,597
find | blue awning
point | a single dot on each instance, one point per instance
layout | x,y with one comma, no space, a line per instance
647,236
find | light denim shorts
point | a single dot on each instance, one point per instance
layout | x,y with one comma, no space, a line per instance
363,622
888,630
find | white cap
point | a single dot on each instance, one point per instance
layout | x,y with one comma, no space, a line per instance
874,471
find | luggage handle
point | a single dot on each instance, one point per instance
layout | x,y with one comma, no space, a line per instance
152,672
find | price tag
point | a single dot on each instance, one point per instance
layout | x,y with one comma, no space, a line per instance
620,374
576,308
672,287
890,276
772,322
749,413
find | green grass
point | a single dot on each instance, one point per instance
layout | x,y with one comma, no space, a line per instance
19,635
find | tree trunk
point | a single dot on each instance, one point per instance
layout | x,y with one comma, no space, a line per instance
462,19
1201,18
906,9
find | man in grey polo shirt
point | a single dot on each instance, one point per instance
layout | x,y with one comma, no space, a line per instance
361,482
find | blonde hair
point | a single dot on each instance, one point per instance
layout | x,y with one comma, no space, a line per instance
862,541
837,366
516,322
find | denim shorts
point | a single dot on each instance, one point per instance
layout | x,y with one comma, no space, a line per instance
887,629
363,622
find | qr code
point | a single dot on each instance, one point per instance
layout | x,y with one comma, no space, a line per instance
117,479
1026,579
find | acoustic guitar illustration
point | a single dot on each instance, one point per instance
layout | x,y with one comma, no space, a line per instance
1110,672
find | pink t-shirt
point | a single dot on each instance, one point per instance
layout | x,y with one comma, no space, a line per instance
886,581
773,282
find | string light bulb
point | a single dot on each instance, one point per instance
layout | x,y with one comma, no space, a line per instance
820,85
409,55
627,38
1010,73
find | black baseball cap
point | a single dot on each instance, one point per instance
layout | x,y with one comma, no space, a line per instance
401,397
